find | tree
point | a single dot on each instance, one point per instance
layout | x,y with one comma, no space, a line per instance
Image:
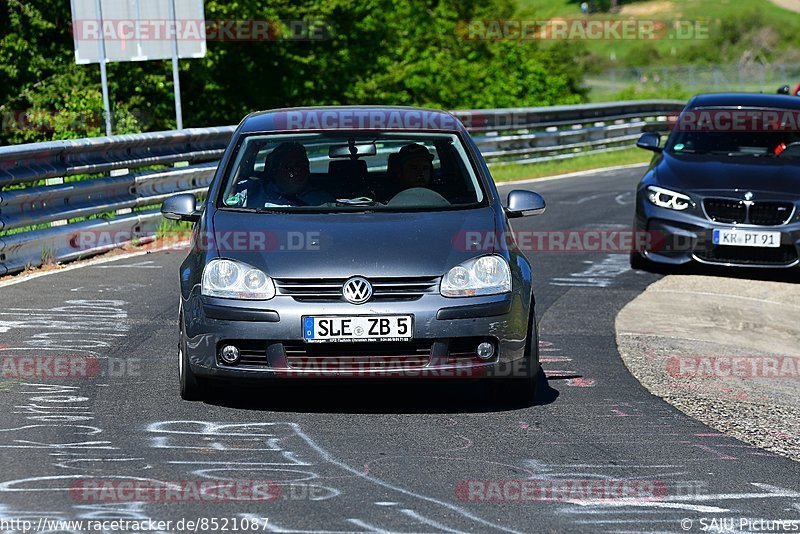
374,51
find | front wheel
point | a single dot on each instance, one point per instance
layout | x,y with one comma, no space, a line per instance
190,386
522,389
639,262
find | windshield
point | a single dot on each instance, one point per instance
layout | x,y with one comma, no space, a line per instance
350,171
736,132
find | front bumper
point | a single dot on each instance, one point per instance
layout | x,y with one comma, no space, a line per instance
677,238
270,338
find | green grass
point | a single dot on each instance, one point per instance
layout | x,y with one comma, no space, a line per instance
168,227
580,163
684,10
737,33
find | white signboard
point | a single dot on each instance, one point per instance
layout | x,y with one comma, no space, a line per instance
137,30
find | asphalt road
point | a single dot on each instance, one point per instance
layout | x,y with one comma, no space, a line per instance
356,457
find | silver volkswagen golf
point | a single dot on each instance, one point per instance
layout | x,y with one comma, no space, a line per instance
355,242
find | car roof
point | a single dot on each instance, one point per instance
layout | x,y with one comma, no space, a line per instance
317,118
750,100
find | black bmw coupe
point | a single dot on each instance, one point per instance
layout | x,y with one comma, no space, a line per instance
725,187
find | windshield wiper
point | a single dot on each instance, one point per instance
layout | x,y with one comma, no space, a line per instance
269,210
737,153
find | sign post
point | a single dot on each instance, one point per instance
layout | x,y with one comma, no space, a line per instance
106,31
103,75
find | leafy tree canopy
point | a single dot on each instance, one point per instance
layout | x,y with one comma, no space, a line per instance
408,52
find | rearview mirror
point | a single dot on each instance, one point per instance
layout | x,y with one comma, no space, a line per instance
352,150
181,207
522,203
650,141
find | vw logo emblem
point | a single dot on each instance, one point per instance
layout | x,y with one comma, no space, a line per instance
357,290
748,196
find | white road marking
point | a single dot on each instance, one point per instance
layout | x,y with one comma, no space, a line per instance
150,264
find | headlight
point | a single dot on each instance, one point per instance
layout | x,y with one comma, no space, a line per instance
664,198
235,280
486,275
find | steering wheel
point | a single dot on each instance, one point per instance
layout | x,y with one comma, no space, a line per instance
418,197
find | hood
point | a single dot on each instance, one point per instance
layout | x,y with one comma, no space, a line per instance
340,245
711,174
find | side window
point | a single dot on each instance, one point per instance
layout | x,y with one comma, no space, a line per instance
261,159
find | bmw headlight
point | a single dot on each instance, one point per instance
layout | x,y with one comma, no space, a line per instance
236,280
664,198
485,275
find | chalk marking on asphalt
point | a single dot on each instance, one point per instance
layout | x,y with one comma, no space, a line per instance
95,430
430,522
9,485
619,199
584,199
656,504
600,275
368,526
771,492
581,382
461,511
617,466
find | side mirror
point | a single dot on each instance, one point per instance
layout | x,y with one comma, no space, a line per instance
523,203
650,141
181,207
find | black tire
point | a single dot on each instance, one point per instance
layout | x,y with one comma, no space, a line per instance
522,390
639,262
191,388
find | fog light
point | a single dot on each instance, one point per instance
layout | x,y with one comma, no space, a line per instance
229,354
485,350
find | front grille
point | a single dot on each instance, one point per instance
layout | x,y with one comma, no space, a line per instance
770,213
252,353
732,211
725,210
330,289
357,356
778,256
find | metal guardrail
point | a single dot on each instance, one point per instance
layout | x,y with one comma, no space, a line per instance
59,192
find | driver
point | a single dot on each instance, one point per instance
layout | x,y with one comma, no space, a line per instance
286,181
415,164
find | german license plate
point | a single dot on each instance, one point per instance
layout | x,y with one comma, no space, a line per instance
746,238
358,328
